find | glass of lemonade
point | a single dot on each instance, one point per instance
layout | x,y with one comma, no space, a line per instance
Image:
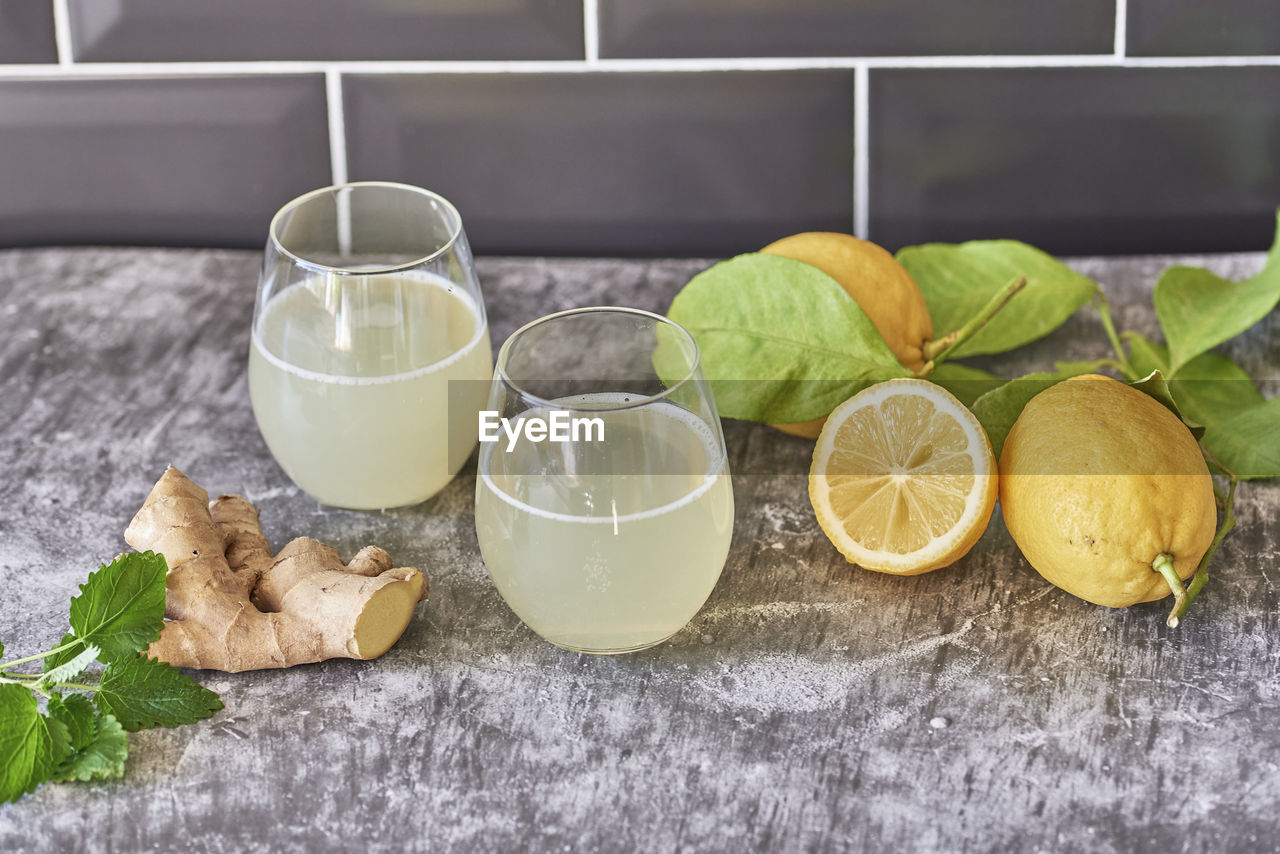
370,353
607,534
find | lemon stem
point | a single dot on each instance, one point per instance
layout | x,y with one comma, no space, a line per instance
1104,313
935,352
1163,564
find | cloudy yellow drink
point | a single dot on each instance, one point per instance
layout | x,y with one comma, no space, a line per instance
617,548
350,383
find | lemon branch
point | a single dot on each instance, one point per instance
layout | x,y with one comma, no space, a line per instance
1228,504
1163,564
1183,597
935,352
1104,313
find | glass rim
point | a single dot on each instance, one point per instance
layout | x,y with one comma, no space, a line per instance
455,229
500,363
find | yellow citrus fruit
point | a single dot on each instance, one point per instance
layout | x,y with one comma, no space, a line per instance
880,285
1097,480
903,478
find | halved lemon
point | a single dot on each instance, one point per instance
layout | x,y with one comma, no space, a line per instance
903,478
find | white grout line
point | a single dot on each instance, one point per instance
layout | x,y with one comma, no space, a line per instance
1198,61
577,66
337,126
1122,26
591,31
62,31
861,151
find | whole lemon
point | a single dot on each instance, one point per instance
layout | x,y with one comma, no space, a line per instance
1097,481
879,285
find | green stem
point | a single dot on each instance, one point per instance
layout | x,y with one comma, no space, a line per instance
1163,564
75,686
31,681
45,654
935,352
1104,312
1202,571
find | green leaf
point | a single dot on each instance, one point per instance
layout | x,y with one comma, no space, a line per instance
99,745
1000,407
70,669
1146,356
966,383
120,608
1199,310
26,745
1248,442
59,742
958,279
76,713
1155,386
780,340
142,692
1241,427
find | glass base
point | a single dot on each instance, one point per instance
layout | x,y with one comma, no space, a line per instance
617,651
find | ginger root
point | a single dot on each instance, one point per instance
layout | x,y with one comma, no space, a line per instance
231,605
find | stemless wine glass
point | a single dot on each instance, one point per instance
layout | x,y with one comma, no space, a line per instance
608,533
370,351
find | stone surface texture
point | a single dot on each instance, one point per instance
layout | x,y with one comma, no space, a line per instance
810,706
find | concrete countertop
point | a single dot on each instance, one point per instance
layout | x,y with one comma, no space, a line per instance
810,706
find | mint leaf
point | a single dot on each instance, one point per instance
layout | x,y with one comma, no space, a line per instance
59,742
76,713
1199,310
99,745
781,341
103,758
142,692
966,383
958,280
26,745
68,670
1242,428
120,608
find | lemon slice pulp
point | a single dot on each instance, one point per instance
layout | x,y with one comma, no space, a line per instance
903,478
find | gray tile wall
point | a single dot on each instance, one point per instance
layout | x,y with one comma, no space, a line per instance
724,28
26,31
714,162
220,30
169,161
1148,160
649,127
1196,27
